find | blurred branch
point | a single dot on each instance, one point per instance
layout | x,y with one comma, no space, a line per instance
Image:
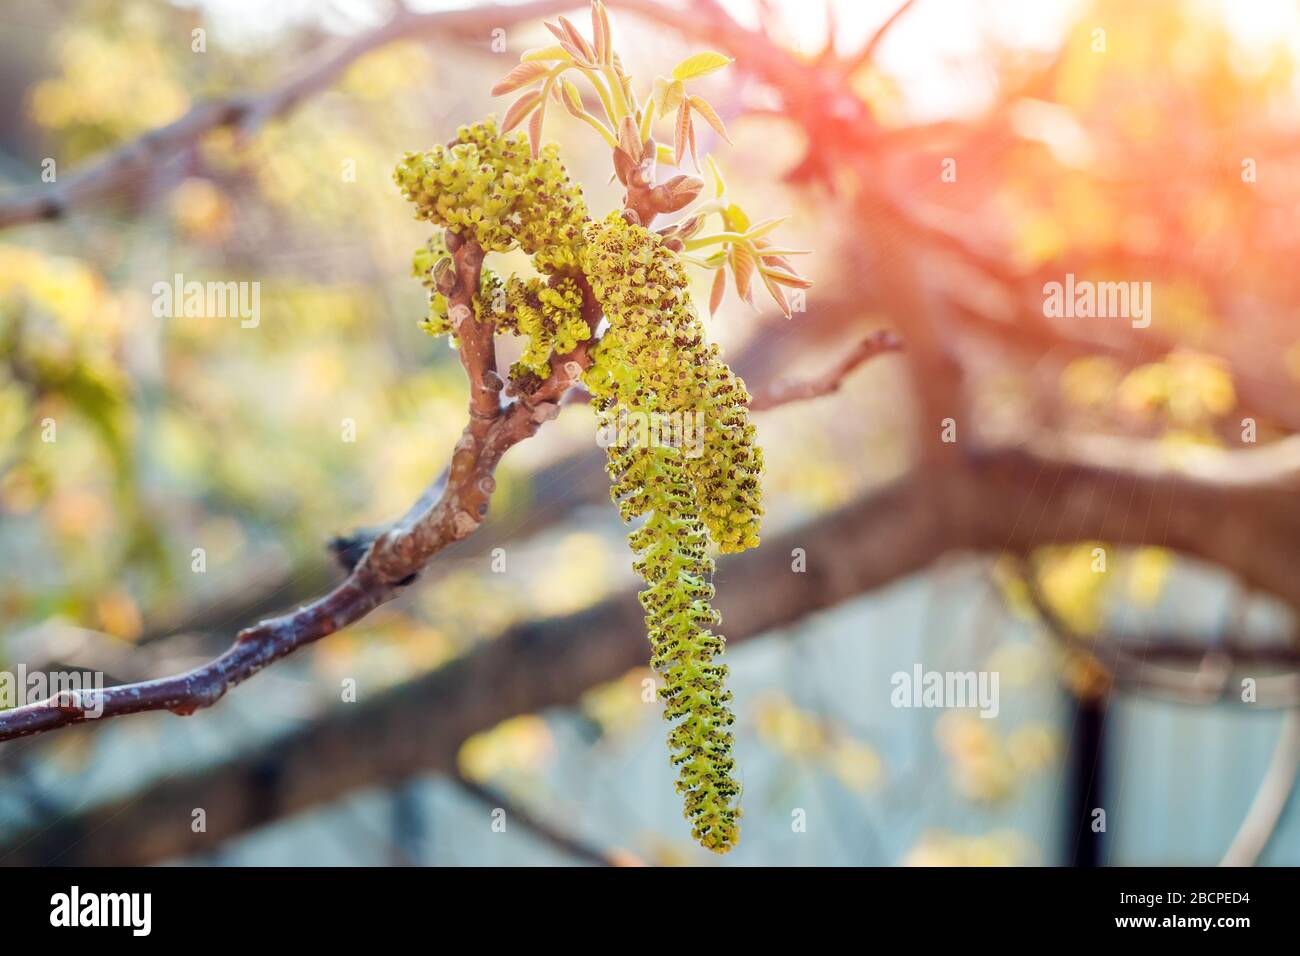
1274,794
1239,510
844,136
1007,500
141,158
868,51
547,832
530,667
785,391
1172,668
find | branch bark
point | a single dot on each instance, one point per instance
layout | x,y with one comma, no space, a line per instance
545,830
139,160
392,561
785,391
529,668
1008,500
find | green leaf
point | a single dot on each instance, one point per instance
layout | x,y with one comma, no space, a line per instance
735,218
759,230
700,64
545,54
668,95
719,184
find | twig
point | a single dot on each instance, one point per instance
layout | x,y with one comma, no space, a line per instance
868,51
785,391
382,561
394,558
1152,666
141,158
548,832
997,506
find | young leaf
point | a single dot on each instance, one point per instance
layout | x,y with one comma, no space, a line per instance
578,40
719,184
667,94
718,291
600,31
647,117
761,229
520,109
626,82
544,54
735,218
778,295
710,115
623,165
742,269
575,52
700,64
690,226
629,138
680,132
782,277
677,193
571,99
522,75
659,96
535,129
771,260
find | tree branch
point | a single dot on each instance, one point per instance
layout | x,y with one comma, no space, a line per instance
868,51
532,666
392,560
141,158
543,829
1171,668
791,390
1009,500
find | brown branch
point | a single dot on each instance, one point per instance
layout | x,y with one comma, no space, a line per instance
549,833
797,390
1239,510
394,558
1171,668
140,159
530,667
559,489
1010,500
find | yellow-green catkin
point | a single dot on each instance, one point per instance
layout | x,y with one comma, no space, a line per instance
654,361
549,315
488,187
